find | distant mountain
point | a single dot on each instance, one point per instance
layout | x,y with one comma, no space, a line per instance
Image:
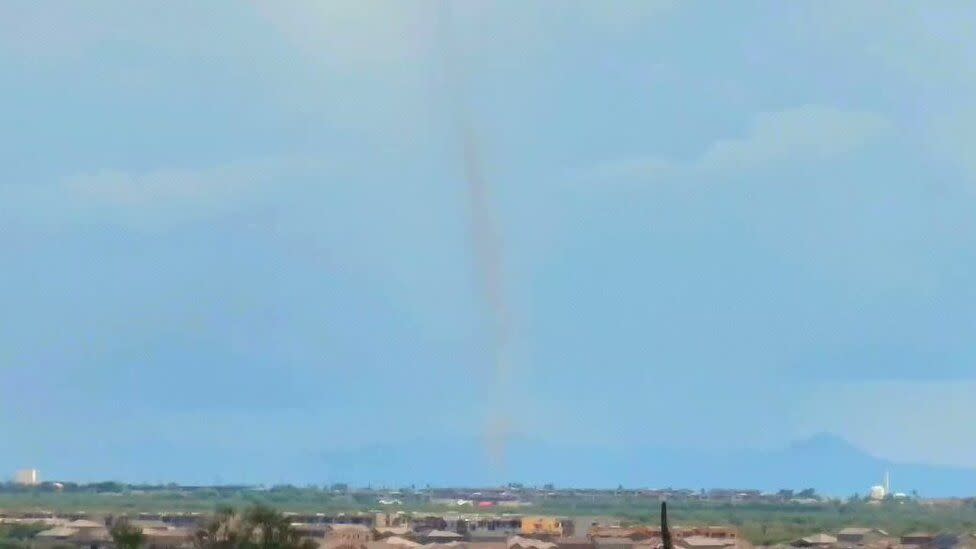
825,462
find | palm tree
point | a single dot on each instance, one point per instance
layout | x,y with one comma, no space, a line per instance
125,535
259,527
273,531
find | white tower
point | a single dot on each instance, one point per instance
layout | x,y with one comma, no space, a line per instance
887,484
27,477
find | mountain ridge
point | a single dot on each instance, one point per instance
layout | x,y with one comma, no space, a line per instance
828,463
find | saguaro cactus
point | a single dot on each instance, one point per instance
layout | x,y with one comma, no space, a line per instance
665,531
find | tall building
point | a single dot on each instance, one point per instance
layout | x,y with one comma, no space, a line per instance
28,477
881,491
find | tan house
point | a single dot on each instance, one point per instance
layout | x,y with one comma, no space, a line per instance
393,531
167,538
574,543
81,532
613,543
442,536
58,533
347,536
816,540
704,542
519,542
854,534
917,538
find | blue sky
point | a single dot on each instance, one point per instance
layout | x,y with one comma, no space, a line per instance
243,229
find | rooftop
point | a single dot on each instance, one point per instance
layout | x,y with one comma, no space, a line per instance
702,541
57,532
818,539
400,542
527,543
84,523
443,534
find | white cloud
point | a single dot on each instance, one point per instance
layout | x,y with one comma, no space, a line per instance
921,51
364,31
150,199
809,132
806,133
211,186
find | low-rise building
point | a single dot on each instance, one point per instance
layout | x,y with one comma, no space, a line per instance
573,543
705,542
58,533
347,536
485,545
547,526
398,541
311,530
859,535
613,543
442,536
917,538
519,542
632,533
816,540
392,531
168,538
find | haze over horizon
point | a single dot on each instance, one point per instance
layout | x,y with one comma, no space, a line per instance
830,465
236,238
